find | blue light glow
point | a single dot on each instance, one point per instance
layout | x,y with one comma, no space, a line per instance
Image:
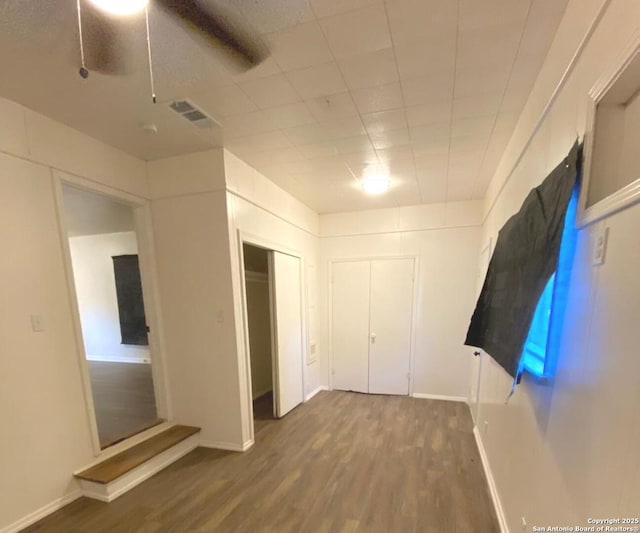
540,353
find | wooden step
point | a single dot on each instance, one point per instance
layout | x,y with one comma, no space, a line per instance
112,477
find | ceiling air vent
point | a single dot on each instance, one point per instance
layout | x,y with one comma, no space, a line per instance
190,112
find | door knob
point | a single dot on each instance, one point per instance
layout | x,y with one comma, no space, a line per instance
373,338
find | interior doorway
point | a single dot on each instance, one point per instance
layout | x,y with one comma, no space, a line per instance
103,246
259,322
274,329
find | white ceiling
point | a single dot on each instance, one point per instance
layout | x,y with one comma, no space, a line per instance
426,90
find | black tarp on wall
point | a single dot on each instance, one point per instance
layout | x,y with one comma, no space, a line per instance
525,257
133,323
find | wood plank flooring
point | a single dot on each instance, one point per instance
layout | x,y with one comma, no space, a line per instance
343,462
123,398
120,464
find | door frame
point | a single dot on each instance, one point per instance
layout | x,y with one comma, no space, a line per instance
414,307
148,275
272,246
474,403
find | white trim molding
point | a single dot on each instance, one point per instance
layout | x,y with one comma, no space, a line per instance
43,512
112,359
446,398
110,491
493,489
630,194
227,446
314,392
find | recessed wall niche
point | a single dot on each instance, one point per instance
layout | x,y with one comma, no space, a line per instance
612,157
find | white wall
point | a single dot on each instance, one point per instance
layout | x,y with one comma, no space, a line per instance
568,450
46,430
95,284
194,273
446,240
258,315
259,209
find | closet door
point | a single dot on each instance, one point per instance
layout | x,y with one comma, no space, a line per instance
350,325
391,317
287,301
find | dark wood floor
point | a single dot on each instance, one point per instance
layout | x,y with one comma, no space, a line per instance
123,398
343,462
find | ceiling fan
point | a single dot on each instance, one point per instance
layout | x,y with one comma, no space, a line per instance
101,23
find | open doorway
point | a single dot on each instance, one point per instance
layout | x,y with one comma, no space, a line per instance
259,323
103,246
274,330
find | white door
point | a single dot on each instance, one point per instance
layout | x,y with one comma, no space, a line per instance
476,361
286,297
390,325
350,325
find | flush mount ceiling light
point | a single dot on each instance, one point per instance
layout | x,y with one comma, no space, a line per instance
120,7
376,184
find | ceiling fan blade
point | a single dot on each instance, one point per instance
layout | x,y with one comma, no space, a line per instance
217,27
107,42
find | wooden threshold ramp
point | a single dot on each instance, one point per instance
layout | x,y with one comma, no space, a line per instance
114,476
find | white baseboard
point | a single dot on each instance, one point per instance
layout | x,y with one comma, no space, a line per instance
110,491
314,392
504,528
228,446
439,397
41,513
113,359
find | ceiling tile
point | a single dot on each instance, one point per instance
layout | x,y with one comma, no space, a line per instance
470,81
247,124
332,106
267,17
288,115
430,133
378,98
464,127
390,139
224,101
414,21
427,89
385,120
418,59
341,128
323,149
357,32
351,145
317,81
489,13
493,47
478,105
268,67
430,113
298,47
368,70
326,8
433,187
271,140
396,157
307,134
271,91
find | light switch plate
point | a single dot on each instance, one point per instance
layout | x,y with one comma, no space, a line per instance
600,237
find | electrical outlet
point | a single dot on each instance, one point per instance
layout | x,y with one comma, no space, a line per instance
524,525
600,237
37,324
